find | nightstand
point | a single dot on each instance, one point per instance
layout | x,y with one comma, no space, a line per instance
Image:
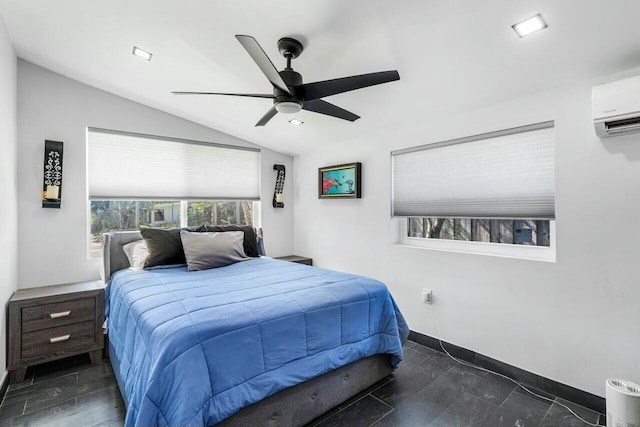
296,258
53,322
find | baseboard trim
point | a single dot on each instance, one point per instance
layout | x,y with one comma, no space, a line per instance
541,385
4,385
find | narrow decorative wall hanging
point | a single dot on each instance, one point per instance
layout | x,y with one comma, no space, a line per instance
52,183
278,199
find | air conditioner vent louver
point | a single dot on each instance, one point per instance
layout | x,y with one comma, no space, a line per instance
623,126
616,107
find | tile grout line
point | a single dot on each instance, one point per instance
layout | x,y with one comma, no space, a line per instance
382,417
384,403
381,385
381,401
510,394
358,400
547,413
24,409
488,401
574,409
7,389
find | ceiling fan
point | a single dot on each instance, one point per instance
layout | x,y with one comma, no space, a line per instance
290,95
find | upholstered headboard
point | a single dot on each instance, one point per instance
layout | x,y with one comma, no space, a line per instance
114,259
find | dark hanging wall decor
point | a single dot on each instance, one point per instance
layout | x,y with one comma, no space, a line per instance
52,183
278,200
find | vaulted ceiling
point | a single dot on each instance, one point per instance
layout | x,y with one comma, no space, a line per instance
452,56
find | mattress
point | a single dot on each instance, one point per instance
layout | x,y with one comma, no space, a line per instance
195,347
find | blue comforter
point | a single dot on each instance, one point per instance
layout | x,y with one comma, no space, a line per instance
195,347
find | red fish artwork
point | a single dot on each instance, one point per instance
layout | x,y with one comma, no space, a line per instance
326,185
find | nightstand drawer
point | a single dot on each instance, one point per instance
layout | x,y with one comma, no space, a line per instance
69,337
58,314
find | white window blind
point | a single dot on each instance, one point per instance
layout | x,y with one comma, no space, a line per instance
137,167
505,174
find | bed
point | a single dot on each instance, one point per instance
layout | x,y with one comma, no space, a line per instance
258,342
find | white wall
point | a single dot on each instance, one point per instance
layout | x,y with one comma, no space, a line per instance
8,183
53,242
577,320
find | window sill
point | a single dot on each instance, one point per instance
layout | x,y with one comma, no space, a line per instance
530,253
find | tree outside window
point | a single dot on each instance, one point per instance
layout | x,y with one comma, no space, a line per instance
128,215
508,231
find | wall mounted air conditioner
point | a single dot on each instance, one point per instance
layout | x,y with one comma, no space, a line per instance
616,107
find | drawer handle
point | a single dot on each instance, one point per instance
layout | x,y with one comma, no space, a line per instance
60,338
60,314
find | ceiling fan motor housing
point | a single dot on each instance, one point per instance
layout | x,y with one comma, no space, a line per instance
292,79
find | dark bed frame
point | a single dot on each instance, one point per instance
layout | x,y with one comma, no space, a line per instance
294,406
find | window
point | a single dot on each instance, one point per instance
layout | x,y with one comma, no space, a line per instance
517,232
136,180
496,188
128,215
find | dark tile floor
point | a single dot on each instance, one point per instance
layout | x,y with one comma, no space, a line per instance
431,390
428,390
68,392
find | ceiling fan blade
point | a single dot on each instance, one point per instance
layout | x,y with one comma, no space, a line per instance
268,116
345,84
328,109
262,60
251,95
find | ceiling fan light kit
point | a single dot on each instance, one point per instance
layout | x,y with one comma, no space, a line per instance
290,94
288,107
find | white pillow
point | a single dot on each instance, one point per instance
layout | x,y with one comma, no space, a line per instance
136,253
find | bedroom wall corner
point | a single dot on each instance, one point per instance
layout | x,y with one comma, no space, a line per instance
52,244
8,182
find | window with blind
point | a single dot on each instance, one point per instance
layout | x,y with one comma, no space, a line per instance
139,180
494,188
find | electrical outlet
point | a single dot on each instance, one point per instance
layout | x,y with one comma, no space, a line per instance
427,296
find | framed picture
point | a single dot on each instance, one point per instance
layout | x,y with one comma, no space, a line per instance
341,181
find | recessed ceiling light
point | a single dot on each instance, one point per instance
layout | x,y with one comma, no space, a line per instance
529,26
296,122
142,53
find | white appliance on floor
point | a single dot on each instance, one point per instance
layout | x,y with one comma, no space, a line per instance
623,403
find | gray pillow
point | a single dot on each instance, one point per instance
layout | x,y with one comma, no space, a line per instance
249,243
212,250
